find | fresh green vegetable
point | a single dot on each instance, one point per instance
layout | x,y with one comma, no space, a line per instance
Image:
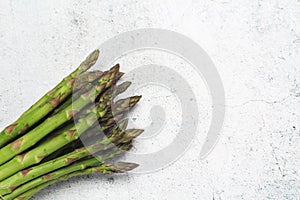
45,145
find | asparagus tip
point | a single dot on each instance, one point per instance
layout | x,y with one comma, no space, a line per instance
91,59
95,54
125,166
134,132
134,100
115,68
120,74
124,85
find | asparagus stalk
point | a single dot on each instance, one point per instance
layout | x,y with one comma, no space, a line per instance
83,86
70,134
51,123
83,67
28,194
70,146
121,88
7,185
105,104
94,131
106,122
120,107
86,78
46,104
27,175
37,154
31,188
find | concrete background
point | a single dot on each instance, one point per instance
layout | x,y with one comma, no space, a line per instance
255,45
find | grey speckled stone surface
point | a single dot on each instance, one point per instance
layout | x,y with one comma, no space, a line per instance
255,45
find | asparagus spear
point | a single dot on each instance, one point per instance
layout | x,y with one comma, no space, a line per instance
37,154
51,123
105,124
121,88
86,78
120,107
68,135
83,67
46,104
10,184
83,86
31,188
94,131
7,185
105,104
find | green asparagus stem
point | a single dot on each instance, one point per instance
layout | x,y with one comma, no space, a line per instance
82,88
108,120
10,184
37,154
60,175
93,132
7,185
83,67
68,135
46,104
51,123
82,85
90,135
27,195
70,146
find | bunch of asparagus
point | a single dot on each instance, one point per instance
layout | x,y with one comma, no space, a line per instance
45,145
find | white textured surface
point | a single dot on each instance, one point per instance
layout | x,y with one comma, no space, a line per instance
254,44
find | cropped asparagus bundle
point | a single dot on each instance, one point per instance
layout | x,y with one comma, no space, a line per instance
45,145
